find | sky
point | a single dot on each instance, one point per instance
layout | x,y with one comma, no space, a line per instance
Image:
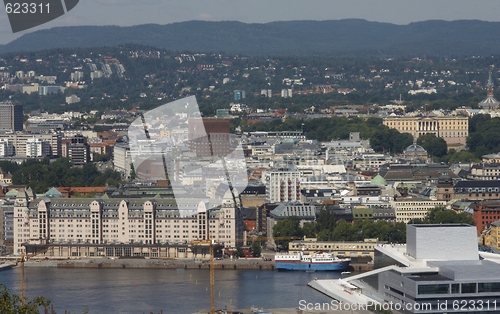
135,12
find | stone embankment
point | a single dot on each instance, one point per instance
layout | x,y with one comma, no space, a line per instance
238,264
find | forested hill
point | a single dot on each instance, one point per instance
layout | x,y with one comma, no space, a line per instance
351,37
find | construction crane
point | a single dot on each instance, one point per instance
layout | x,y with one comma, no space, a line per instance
24,257
21,260
212,262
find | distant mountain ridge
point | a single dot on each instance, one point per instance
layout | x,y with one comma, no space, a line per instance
350,37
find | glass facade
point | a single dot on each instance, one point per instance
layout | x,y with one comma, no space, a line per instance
488,287
434,289
469,288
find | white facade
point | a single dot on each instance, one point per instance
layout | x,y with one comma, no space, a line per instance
37,148
19,140
282,185
108,221
122,160
407,209
6,148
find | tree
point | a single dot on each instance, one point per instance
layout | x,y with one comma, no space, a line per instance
256,249
435,146
441,215
288,228
308,230
13,304
239,252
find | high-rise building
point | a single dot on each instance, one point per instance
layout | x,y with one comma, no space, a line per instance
212,140
11,116
282,185
79,150
37,148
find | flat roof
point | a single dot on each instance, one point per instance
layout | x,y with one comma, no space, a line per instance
439,225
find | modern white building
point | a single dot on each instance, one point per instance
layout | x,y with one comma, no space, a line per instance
282,184
37,148
122,160
6,148
439,270
413,208
19,140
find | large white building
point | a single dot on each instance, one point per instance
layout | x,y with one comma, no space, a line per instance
37,148
407,209
106,221
282,184
6,148
122,159
18,141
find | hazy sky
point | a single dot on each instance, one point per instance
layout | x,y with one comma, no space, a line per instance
133,12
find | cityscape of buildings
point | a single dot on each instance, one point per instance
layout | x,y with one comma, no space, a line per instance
189,181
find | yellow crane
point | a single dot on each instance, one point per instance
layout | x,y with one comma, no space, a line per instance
212,261
24,257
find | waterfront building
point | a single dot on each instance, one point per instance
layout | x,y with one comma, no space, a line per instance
11,116
437,271
453,129
105,221
341,249
304,212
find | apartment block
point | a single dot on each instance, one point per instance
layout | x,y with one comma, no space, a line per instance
105,221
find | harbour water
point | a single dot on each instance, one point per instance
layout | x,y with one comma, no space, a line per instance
176,291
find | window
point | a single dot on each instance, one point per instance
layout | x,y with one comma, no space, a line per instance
469,287
434,289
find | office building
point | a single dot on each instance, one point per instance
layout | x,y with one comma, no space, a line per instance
79,150
210,138
37,148
11,116
122,159
18,142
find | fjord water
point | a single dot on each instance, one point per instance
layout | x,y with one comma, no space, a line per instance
175,291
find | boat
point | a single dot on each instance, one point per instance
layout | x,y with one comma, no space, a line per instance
318,261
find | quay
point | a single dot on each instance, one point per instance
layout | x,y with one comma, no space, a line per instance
226,264
285,311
